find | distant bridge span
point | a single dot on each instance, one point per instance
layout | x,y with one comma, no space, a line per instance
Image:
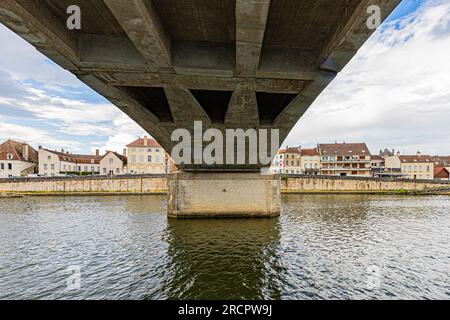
229,63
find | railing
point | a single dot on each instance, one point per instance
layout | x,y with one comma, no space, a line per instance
348,161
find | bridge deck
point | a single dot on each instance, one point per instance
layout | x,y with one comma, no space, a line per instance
230,63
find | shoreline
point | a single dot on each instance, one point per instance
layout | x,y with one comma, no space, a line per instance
15,195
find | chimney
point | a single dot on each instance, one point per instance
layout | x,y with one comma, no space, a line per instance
145,141
40,147
25,152
62,150
418,153
125,152
398,153
97,153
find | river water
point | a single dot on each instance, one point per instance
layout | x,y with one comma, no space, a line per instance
322,247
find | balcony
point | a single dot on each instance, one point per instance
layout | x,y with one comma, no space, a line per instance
346,161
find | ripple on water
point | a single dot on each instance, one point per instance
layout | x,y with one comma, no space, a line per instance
322,247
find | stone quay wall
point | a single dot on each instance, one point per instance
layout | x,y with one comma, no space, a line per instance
292,184
97,184
158,184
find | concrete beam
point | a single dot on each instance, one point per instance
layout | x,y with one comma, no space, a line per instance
288,63
200,58
109,53
251,20
243,108
184,107
202,82
40,27
295,110
141,23
143,117
352,34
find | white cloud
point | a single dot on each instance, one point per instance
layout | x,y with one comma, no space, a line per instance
23,61
34,136
395,93
126,131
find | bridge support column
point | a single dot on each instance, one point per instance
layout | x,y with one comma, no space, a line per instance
223,195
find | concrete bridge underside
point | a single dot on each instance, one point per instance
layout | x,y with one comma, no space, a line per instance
229,63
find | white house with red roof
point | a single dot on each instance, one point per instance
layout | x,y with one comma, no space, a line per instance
17,159
55,163
113,163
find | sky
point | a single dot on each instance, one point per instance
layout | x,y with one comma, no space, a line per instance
394,94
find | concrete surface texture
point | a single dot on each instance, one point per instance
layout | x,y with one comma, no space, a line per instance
218,194
229,63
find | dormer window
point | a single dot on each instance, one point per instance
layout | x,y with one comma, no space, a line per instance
9,156
92,161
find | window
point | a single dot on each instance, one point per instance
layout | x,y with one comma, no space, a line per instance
9,166
85,168
92,169
133,158
117,170
45,166
53,167
156,150
49,158
141,159
428,168
2,166
111,161
149,159
149,150
104,170
9,157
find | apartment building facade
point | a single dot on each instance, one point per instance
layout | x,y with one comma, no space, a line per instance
54,163
17,159
310,160
146,156
345,159
417,166
287,161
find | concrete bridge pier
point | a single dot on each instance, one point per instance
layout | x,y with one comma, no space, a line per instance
206,194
